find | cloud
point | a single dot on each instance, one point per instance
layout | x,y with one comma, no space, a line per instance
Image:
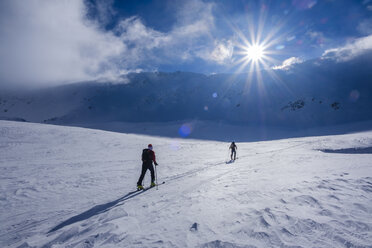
102,9
317,38
304,4
220,53
365,26
349,51
194,26
141,40
52,41
288,63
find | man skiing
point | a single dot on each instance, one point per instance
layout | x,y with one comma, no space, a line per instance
148,156
233,148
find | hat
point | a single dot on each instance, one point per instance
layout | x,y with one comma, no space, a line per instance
149,146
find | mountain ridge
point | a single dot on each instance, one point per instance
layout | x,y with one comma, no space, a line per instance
315,93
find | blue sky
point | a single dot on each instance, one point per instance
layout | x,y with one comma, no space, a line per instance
65,41
301,28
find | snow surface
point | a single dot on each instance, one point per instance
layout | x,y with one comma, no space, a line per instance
75,187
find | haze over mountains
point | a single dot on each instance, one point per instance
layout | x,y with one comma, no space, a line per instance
315,93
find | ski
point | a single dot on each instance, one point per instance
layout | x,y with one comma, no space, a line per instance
147,188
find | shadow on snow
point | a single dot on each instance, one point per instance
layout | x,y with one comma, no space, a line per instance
96,210
365,150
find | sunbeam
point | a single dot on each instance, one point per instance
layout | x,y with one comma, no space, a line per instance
256,52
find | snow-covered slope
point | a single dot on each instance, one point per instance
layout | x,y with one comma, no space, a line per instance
73,187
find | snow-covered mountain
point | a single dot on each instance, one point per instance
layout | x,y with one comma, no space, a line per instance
312,94
75,187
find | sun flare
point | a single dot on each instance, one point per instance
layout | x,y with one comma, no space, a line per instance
255,52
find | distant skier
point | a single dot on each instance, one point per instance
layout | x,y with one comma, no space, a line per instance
233,148
148,156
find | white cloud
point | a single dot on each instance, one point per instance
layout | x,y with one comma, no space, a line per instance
220,53
288,63
52,41
193,27
365,26
141,40
349,51
104,10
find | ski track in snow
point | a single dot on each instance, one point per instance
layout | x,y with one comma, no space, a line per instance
75,187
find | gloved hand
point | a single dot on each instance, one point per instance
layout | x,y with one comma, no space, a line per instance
156,164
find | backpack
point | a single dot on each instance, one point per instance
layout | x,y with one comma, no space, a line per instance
146,155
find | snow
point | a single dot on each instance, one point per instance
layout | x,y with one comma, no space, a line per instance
75,187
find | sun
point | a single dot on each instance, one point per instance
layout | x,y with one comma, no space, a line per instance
257,47
254,52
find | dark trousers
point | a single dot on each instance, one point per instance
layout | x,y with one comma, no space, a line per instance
145,167
233,152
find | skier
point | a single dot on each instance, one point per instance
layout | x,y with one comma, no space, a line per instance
233,148
148,156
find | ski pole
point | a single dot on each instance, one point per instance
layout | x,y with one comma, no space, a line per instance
156,177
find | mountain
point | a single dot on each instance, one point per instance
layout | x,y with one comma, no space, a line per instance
316,93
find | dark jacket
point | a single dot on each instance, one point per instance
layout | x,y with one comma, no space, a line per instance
148,156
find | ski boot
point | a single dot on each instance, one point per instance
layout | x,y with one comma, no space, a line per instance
152,184
140,187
